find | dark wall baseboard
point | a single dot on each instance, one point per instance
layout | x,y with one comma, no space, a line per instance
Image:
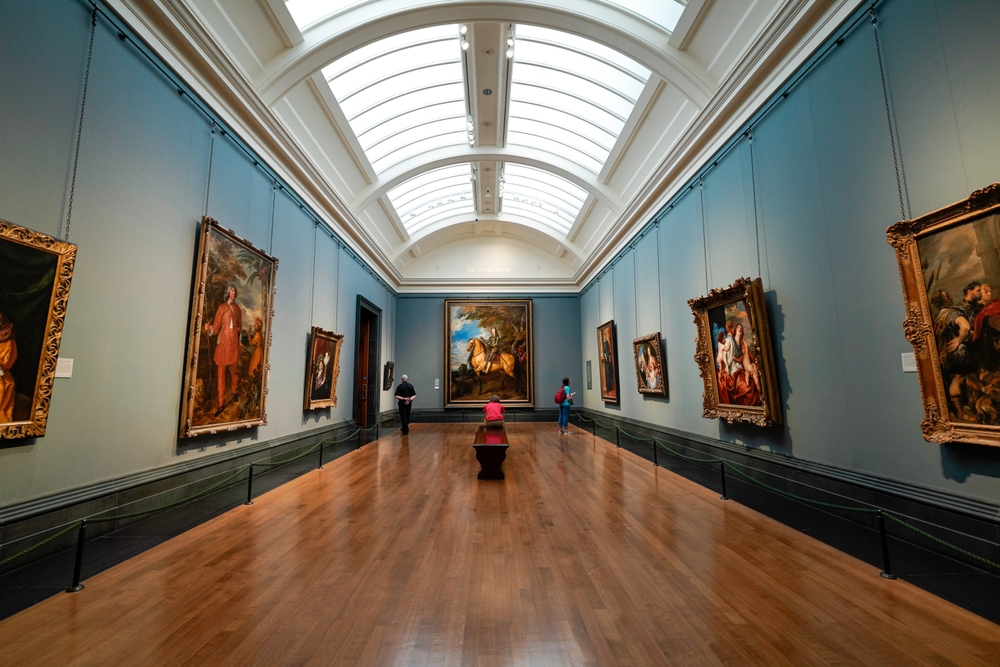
27,523
972,524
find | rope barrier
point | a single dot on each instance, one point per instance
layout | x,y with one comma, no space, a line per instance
27,551
945,543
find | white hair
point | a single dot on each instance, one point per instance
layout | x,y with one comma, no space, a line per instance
405,378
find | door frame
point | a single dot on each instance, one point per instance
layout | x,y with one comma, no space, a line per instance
374,356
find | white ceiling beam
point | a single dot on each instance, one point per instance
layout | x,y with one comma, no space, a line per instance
321,88
688,24
279,16
647,98
457,227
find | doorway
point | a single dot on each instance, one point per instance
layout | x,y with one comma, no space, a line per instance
366,377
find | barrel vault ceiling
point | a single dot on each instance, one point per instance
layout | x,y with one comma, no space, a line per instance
495,146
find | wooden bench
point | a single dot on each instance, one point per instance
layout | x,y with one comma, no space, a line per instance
491,450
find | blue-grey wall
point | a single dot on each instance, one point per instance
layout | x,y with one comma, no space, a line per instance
140,192
420,336
826,191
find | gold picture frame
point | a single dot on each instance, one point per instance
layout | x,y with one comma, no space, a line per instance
35,275
650,375
232,277
323,369
954,330
607,354
736,365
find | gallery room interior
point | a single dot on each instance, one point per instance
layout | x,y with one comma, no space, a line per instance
264,262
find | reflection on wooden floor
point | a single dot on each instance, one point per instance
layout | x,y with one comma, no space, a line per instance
585,555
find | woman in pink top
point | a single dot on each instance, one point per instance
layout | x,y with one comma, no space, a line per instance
494,410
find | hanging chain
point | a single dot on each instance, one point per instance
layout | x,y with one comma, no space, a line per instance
888,112
704,229
79,129
753,187
635,290
211,155
312,297
274,195
659,285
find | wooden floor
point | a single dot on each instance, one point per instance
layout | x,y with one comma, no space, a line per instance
584,555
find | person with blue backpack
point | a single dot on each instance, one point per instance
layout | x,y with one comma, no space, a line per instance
564,397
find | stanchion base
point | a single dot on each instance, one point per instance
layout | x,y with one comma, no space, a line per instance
723,497
74,589
886,576
249,502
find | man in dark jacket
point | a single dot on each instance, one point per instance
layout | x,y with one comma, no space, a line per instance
405,393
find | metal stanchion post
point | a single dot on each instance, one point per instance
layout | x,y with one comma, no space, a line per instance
321,454
656,462
361,433
617,432
250,487
722,468
886,572
78,567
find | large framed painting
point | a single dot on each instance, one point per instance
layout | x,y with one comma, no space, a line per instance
488,351
322,369
225,375
949,263
734,355
388,375
35,274
607,351
648,357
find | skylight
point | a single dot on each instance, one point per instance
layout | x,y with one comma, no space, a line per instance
570,96
404,94
665,13
434,196
540,196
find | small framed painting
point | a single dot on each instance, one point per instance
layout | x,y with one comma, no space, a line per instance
734,355
590,380
648,356
607,350
35,274
323,369
388,375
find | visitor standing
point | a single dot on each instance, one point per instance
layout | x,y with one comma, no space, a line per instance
564,407
405,393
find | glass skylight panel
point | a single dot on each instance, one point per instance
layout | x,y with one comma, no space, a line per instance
541,196
403,95
434,195
569,95
665,13
305,12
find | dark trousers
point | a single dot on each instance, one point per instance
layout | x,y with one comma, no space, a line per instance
404,417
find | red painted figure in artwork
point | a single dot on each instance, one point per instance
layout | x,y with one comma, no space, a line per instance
227,326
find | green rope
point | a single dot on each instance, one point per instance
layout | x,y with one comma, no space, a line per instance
40,544
789,494
689,458
942,542
635,437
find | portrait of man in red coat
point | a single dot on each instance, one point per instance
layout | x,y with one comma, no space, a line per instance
226,327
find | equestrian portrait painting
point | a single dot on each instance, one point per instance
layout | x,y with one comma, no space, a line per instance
949,263
488,351
322,369
35,275
734,355
225,377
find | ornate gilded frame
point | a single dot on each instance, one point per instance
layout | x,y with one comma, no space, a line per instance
388,375
187,429
52,337
338,343
449,400
918,325
606,395
654,342
751,292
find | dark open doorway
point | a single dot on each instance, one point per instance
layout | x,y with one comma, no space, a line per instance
366,375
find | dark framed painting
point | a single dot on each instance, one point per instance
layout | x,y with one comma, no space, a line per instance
733,351
229,336
488,350
648,356
322,369
35,275
949,263
388,375
607,351
590,380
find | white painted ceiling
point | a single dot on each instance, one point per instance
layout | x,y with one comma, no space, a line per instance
486,145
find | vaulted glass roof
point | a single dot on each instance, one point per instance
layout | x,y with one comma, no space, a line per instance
434,196
540,196
569,95
403,95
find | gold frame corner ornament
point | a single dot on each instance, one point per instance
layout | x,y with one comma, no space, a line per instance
752,293
918,324
41,398
338,344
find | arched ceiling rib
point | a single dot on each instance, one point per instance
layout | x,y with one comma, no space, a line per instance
638,38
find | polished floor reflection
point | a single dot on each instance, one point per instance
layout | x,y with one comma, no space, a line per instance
397,555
